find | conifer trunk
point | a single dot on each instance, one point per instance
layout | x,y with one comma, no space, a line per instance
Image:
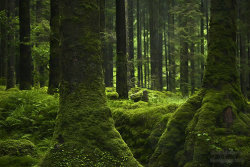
25,48
200,127
121,61
84,134
54,62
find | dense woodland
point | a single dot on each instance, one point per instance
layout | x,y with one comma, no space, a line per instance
124,83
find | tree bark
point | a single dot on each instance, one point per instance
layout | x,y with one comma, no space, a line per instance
55,61
84,133
184,57
154,43
3,47
193,134
131,43
10,80
25,48
121,62
171,48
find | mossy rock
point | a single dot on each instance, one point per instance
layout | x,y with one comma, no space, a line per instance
17,148
112,95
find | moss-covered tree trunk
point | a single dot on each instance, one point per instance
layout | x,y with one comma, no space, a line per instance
25,48
212,122
84,133
54,62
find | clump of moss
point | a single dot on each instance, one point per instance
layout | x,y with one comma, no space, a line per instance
16,147
17,153
142,127
14,161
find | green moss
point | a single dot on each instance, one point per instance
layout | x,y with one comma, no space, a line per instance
142,127
173,138
16,147
112,95
13,161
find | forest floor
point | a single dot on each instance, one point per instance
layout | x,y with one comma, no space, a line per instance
27,119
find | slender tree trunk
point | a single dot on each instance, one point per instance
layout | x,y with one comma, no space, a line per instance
144,48
55,60
139,48
154,43
202,40
131,43
192,63
10,80
183,58
171,49
84,133
25,48
108,68
3,46
166,58
243,53
121,62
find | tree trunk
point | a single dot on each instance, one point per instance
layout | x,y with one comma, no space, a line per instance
84,133
10,80
25,48
171,48
131,43
192,63
54,62
3,46
154,43
183,57
193,136
121,62
202,40
108,68
139,47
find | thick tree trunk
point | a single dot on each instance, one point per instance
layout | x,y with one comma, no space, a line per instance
121,61
25,48
84,133
211,121
54,62
10,79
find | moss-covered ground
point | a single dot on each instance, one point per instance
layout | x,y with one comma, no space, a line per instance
27,120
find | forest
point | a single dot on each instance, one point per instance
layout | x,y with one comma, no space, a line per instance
124,83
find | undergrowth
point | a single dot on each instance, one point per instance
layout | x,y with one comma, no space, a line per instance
30,115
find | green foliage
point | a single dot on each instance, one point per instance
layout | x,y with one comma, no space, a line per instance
13,161
16,147
27,114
